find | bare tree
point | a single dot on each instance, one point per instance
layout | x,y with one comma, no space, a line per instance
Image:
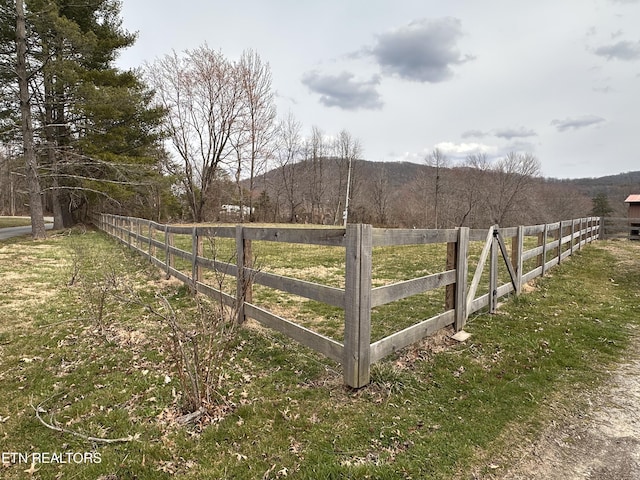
438,161
288,152
380,192
347,149
556,201
316,151
515,177
31,163
254,140
202,94
471,186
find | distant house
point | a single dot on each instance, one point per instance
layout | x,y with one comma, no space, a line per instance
235,210
634,216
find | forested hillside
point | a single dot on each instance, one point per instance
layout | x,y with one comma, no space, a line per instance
410,195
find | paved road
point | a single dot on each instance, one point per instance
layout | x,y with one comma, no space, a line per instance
9,232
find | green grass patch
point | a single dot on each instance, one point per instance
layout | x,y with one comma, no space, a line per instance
15,222
283,411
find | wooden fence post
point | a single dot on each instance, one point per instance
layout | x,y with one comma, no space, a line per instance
600,234
493,272
357,309
560,233
580,235
168,254
138,240
196,250
152,248
573,231
244,289
545,237
540,258
587,230
517,247
461,266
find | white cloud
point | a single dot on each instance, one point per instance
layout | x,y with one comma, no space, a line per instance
464,149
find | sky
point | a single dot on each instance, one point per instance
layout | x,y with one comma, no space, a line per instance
559,79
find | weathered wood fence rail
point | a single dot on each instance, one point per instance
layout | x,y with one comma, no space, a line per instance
553,243
621,227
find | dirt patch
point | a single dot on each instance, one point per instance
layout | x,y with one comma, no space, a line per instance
126,338
164,283
425,349
600,441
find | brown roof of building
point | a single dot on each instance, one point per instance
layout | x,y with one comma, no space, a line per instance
632,199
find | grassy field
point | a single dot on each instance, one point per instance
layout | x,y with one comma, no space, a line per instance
435,410
326,266
14,222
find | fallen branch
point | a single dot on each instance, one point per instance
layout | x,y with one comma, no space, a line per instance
38,409
191,417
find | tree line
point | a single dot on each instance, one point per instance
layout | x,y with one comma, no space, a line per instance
80,131
435,194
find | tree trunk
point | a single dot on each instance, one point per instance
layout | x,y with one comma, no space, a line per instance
33,182
60,220
50,135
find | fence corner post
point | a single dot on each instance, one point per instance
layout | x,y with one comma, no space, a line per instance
357,308
462,254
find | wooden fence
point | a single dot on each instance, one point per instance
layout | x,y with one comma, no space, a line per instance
553,243
621,227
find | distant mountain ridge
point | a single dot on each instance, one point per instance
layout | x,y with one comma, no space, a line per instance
405,184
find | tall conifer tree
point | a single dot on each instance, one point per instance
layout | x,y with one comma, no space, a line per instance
96,131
